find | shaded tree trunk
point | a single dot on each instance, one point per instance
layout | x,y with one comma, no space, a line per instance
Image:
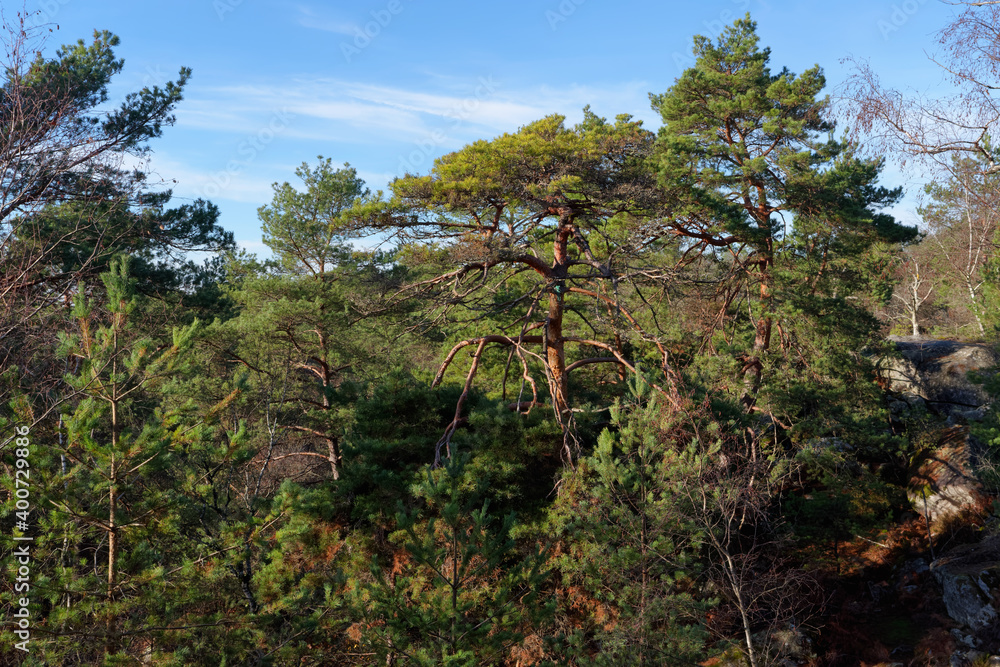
754,367
555,344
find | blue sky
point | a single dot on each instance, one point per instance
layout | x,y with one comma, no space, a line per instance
389,85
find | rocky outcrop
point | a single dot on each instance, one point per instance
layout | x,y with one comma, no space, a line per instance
943,485
970,581
935,373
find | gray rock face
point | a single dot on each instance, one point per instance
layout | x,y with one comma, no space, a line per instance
970,579
934,372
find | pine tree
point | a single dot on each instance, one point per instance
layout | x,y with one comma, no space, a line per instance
464,595
309,321
758,185
533,238
630,542
113,506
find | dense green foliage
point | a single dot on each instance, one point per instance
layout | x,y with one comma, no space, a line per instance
605,396
631,540
753,174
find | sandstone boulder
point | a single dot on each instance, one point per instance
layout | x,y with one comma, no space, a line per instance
934,372
943,484
970,580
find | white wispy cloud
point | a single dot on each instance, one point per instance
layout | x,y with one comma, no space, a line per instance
187,181
209,115
311,18
367,113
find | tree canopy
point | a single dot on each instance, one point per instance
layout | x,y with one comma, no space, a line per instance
584,393
753,175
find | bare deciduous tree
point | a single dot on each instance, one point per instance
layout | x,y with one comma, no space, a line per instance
913,290
962,218
932,129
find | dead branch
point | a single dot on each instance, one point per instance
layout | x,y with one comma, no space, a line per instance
593,360
503,340
445,440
